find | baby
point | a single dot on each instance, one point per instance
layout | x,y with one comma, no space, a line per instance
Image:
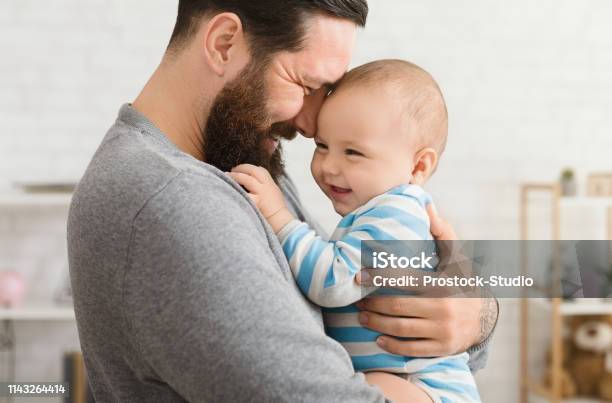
380,135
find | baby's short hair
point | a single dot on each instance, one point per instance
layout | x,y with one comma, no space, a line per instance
420,98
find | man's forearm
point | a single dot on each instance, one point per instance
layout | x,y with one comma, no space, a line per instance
488,318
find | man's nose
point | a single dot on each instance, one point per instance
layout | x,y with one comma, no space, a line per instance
306,121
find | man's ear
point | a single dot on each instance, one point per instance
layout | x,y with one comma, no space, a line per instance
223,39
424,165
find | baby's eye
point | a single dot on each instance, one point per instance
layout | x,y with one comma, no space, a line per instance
321,146
350,151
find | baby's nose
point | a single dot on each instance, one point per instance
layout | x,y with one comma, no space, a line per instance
330,167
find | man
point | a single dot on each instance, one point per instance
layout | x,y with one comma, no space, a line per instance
182,292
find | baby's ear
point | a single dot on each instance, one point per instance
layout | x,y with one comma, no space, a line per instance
424,165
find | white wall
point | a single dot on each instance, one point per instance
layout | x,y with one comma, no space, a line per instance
66,68
528,86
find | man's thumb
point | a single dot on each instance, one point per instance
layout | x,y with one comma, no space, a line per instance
434,219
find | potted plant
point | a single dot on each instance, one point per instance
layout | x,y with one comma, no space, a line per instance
568,182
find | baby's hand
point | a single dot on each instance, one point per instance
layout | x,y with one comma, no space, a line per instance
264,192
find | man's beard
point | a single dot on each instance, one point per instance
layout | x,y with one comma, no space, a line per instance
238,125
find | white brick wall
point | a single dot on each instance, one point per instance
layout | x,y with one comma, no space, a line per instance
528,85
66,67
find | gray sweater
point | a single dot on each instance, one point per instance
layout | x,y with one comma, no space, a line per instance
181,290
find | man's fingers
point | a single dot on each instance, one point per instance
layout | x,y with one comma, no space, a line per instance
362,277
435,222
249,182
259,173
432,213
412,348
400,306
400,327
439,228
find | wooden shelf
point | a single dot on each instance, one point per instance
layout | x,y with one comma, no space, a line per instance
38,313
529,391
540,399
541,394
591,201
21,199
587,306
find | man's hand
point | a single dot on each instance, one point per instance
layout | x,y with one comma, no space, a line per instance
440,228
264,192
444,326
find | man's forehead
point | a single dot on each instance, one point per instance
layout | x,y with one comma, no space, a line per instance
328,47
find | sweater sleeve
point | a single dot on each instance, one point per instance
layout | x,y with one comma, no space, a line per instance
325,270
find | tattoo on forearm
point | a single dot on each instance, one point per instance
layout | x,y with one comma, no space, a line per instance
488,318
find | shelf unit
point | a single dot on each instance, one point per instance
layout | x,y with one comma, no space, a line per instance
530,390
44,312
584,307
585,201
539,399
34,311
28,200
38,313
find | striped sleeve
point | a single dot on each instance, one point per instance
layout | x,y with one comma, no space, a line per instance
325,270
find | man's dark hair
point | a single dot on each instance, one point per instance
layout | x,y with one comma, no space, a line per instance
271,25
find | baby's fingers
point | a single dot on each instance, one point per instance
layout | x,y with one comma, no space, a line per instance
254,199
250,183
259,173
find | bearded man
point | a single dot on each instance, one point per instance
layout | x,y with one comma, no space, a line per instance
181,290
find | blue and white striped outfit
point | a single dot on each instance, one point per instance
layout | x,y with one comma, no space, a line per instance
325,272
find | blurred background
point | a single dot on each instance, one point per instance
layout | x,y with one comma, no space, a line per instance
528,87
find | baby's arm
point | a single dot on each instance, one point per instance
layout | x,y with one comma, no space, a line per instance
325,271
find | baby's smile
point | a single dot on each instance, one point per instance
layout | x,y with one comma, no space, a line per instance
339,193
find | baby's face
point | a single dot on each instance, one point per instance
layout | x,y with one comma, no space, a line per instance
362,148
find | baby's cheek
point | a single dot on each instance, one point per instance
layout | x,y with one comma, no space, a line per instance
315,167
371,184
366,186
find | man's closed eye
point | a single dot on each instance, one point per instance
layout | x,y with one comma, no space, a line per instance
308,91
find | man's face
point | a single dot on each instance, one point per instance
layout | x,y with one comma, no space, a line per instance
273,101
298,82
